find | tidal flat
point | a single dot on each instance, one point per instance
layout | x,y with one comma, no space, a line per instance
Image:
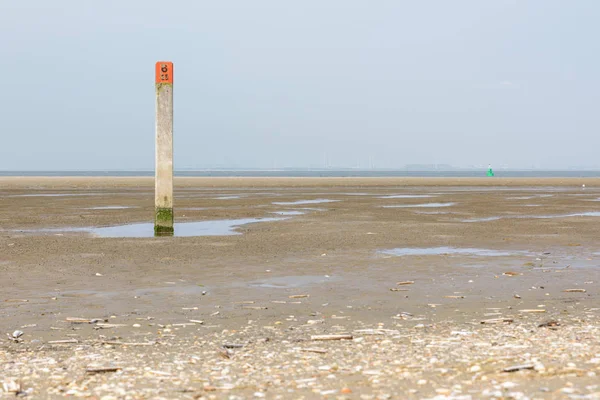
350,300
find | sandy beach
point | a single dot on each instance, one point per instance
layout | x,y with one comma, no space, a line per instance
434,287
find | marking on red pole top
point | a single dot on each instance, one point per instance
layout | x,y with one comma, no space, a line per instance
164,72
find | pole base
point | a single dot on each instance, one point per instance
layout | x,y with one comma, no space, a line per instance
163,222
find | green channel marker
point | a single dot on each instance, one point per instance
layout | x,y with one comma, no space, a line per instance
489,171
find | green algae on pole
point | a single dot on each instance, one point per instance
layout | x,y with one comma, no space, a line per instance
163,189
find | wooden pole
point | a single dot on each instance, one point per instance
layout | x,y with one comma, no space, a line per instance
163,193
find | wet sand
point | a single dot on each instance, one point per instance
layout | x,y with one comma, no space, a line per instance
420,340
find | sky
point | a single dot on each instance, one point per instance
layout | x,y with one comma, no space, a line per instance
311,83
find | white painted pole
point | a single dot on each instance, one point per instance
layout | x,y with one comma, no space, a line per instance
163,191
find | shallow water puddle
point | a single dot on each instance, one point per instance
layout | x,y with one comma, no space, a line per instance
316,201
424,205
482,219
521,198
581,214
407,196
287,212
438,251
224,227
495,218
536,196
227,197
184,229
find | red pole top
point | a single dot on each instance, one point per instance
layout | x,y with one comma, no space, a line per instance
164,72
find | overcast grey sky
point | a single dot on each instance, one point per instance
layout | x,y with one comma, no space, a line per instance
268,83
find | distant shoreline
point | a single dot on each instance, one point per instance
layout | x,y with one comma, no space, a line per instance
317,173
147,182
